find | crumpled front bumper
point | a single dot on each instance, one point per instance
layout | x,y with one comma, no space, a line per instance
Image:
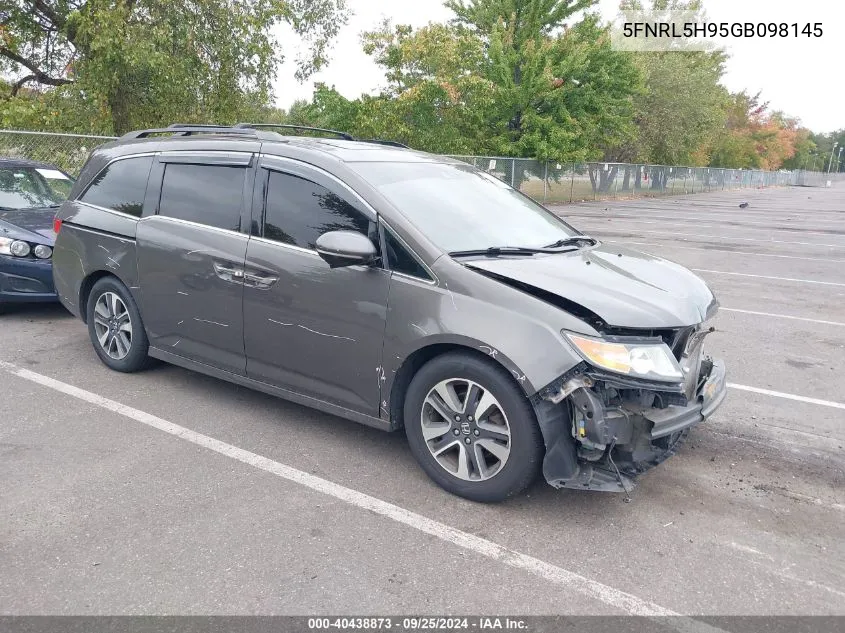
675,418
634,438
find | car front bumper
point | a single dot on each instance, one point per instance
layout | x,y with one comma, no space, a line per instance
675,418
25,280
597,441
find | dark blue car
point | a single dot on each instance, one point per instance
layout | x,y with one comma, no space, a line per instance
30,193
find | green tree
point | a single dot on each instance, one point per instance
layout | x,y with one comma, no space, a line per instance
681,108
561,92
146,62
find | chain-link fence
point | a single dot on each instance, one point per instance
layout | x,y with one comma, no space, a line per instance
547,181
67,151
554,182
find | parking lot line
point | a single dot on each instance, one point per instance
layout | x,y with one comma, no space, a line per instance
788,396
572,581
782,316
617,229
723,250
803,281
658,219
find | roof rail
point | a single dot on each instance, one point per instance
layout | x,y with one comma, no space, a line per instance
286,126
187,129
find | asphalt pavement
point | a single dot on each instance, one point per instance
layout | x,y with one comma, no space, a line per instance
168,492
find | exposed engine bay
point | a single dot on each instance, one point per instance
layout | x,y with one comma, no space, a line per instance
603,429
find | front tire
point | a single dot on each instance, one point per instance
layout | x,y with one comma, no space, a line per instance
115,327
471,428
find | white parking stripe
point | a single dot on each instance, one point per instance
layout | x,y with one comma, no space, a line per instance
788,396
724,250
721,237
766,225
571,581
803,281
782,316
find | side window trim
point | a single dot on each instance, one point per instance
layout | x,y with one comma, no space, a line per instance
432,278
90,183
223,158
301,169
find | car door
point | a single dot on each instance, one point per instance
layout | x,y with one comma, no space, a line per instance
191,254
307,327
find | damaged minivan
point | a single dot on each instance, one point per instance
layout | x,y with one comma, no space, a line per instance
394,288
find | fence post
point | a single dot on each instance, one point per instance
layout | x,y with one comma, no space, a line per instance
572,183
545,181
513,171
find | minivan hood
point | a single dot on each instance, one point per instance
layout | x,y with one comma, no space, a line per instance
626,288
34,225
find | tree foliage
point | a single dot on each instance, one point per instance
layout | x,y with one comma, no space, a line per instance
138,62
504,78
525,78
755,138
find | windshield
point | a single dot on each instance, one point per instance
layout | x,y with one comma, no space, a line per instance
460,208
32,187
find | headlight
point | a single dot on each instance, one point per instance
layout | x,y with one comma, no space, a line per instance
42,251
19,248
643,360
5,243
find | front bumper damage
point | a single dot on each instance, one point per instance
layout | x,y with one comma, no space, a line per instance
603,430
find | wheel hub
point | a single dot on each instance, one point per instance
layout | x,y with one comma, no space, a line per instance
465,429
113,325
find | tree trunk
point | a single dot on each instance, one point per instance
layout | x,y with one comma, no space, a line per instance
120,107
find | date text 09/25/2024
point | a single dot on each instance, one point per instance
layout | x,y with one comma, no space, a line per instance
482,623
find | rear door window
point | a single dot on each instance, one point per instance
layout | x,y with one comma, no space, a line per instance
121,185
206,194
298,211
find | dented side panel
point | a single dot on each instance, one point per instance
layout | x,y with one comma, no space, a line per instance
93,241
190,306
469,310
315,329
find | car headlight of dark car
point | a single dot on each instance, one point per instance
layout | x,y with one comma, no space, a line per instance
651,360
42,251
21,248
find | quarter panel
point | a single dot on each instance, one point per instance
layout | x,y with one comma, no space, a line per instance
83,250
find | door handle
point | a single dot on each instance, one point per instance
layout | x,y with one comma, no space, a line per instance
227,273
259,281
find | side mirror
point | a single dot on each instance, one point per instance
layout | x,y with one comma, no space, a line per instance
345,248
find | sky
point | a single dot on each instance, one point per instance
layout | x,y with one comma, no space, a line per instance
800,76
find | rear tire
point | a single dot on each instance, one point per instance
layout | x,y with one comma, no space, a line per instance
115,327
472,429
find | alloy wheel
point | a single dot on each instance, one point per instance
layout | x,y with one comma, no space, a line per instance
113,325
465,429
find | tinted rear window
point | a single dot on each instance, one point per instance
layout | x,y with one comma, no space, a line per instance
121,186
206,194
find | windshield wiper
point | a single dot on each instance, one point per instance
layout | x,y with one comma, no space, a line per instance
495,251
576,240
